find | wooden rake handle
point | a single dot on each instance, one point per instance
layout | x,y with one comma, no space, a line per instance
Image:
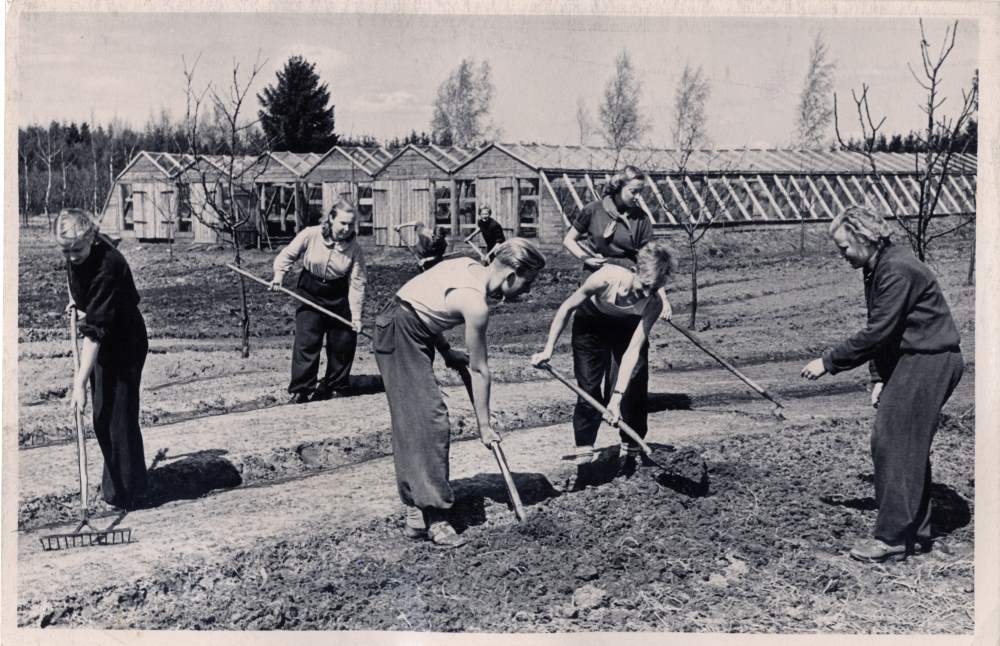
725,364
628,430
508,480
308,302
81,440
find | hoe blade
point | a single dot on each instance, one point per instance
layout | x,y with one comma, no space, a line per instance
86,539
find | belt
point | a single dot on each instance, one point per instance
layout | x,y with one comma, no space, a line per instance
321,280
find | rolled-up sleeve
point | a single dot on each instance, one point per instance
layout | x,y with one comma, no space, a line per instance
287,256
888,310
359,281
103,299
582,220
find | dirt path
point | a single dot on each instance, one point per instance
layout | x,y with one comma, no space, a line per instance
334,501
287,441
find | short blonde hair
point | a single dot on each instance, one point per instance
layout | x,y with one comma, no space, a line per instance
520,255
73,225
864,224
341,206
655,264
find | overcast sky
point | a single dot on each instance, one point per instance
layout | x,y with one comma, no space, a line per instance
383,70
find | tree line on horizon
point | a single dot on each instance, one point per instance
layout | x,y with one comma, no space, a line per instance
70,164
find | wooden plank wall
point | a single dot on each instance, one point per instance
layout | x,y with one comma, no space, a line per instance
410,165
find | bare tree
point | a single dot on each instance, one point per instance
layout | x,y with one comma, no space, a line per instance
690,99
815,113
584,121
621,119
936,150
462,106
226,202
699,201
48,155
25,157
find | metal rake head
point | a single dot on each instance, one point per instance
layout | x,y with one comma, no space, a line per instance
86,539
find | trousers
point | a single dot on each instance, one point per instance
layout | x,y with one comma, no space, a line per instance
599,341
905,424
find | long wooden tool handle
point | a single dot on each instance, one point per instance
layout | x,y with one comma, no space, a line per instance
599,407
308,302
472,235
515,497
482,257
725,364
81,441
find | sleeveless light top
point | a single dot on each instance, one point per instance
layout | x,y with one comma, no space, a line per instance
619,285
426,292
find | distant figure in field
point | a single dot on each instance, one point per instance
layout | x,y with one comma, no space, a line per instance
408,331
911,345
106,303
333,276
491,229
614,228
430,250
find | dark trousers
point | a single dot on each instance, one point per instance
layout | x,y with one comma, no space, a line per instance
115,383
599,341
905,425
311,327
421,430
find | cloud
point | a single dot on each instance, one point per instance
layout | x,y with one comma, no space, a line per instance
398,101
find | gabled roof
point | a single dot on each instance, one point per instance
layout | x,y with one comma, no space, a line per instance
368,159
748,160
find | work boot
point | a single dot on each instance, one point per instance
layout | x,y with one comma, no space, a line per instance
584,473
299,398
443,535
415,525
872,550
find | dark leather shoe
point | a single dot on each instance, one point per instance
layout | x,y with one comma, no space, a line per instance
299,398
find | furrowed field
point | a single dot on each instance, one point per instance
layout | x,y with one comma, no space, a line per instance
267,515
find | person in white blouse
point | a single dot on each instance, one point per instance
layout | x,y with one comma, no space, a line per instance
615,309
333,276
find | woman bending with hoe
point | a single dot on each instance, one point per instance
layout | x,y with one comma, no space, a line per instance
911,344
615,309
408,329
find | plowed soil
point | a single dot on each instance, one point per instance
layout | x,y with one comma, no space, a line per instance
275,516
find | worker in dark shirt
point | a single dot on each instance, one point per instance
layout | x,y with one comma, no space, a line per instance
614,228
105,301
430,250
912,344
491,229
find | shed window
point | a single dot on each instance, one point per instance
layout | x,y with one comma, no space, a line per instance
183,208
128,212
365,210
442,206
527,208
466,189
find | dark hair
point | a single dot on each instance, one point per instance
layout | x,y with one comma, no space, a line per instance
620,179
441,232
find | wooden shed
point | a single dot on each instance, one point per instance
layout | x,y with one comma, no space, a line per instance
347,172
416,184
287,201
162,196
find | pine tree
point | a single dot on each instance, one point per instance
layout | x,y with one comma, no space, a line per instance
294,113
